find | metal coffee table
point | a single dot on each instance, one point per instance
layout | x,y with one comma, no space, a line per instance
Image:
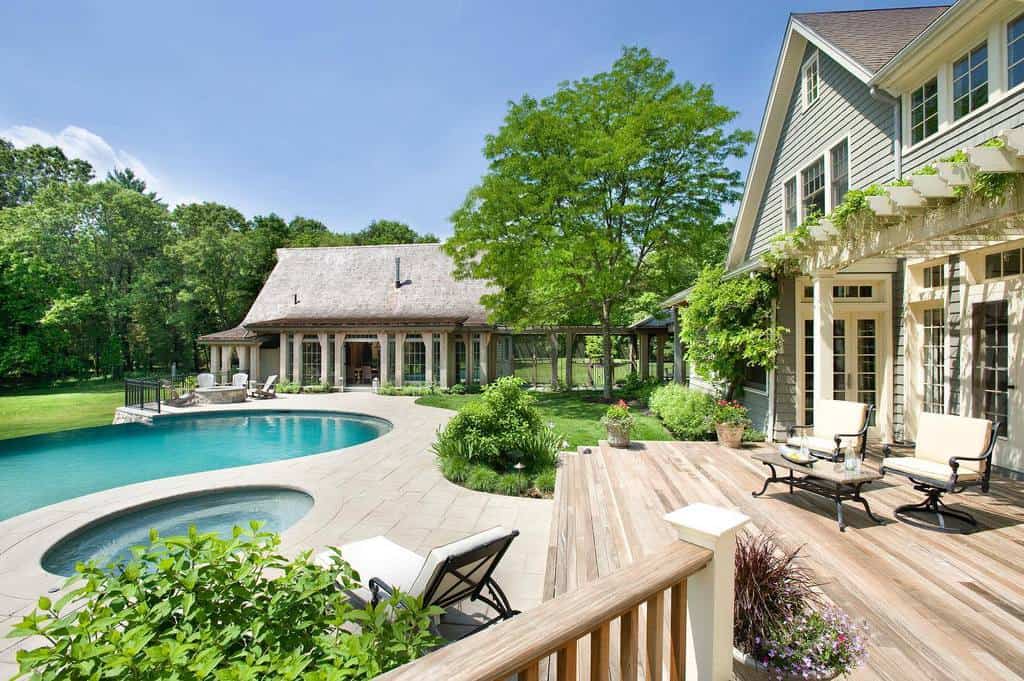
824,478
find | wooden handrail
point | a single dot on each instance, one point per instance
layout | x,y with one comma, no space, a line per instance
518,645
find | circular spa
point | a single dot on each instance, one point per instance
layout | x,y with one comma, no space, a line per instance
112,538
220,394
44,469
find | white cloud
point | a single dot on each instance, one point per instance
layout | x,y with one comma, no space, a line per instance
78,142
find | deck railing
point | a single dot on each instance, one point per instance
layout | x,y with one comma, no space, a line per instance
143,393
668,614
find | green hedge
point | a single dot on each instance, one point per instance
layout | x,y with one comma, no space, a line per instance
686,412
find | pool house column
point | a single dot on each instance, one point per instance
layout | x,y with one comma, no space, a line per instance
399,359
428,358
254,361
214,359
339,359
470,357
225,360
243,358
485,357
297,357
445,372
324,354
282,358
382,338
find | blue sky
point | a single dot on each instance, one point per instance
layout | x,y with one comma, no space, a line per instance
343,111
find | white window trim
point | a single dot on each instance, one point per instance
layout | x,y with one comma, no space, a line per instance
822,153
816,62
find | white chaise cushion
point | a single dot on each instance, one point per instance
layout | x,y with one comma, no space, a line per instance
941,436
926,470
833,417
382,558
437,556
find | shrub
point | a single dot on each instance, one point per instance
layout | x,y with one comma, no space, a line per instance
455,468
495,427
289,388
540,448
686,412
458,389
200,607
546,481
771,586
512,484
482,479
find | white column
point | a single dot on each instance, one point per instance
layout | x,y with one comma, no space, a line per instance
709,592
382,338
428,345
446,360
823,315
322,337
282,358
470,359
399,360
485,358
254,362
243,358
339,359
297,357
225,361
214,359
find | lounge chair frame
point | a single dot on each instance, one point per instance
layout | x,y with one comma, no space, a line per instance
837,453
933,490
468,584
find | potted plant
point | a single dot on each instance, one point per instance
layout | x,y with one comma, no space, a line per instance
618,423
781,628
731,421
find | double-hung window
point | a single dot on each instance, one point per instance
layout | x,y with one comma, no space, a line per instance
970,81
811,81
789,199
1015,52
839,162
924,111
813,180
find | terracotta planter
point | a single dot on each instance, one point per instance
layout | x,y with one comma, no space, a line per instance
730,434
618,435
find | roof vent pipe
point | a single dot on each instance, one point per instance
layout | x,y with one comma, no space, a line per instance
398,272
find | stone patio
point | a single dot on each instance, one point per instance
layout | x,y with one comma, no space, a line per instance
388,486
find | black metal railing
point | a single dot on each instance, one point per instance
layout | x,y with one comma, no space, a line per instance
143,393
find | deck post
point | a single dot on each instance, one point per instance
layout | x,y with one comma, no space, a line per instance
282,358
710,592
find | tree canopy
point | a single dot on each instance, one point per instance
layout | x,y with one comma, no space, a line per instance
606,190
100,277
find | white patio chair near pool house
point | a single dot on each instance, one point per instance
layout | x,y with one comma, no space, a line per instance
450,574
240,380
951,454
837,424
205,381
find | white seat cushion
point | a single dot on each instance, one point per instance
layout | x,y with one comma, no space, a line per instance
382,558
438,555
818,444
834,417
941,436
925,469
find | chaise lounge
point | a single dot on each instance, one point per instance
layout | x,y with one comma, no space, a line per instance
268,391
951,454
837,424
450,574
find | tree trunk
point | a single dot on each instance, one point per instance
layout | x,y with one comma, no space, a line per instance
606,349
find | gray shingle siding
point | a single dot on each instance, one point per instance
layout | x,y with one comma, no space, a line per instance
845,106
757,409
1007,113
788,361
899,337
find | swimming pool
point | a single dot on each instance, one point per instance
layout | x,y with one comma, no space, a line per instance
44,469
111,539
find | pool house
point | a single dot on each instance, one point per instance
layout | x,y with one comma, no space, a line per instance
396,314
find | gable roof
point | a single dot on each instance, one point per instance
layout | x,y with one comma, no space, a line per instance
848,38
356,285
871,37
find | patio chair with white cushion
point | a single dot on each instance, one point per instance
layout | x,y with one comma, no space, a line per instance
240,380
837,424
951,454
205,381
450,574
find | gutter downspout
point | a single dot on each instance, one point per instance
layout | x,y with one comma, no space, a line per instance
881,95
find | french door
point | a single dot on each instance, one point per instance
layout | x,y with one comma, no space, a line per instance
855,358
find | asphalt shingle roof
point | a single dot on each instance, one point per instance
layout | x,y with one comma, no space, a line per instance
871,37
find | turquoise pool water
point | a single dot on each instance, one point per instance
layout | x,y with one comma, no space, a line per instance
112,539
44,469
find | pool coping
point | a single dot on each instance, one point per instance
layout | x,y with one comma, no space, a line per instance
389,485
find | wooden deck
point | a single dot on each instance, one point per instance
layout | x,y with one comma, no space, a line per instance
939,606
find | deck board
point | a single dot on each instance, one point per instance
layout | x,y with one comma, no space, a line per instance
939,606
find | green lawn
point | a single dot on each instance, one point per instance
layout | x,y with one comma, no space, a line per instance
46,410
573,416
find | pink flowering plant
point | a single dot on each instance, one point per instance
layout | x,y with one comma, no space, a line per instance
814,645
619,416
730,412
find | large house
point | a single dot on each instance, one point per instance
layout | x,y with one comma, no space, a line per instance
921,310
396,314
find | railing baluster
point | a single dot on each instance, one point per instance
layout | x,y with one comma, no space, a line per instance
565,667
531,673
677,631
655,634
599,644
629,644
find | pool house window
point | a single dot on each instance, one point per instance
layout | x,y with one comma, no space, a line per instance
310,360
970,81
415,357
924,111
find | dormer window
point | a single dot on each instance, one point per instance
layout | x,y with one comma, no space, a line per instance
970,81
811,78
